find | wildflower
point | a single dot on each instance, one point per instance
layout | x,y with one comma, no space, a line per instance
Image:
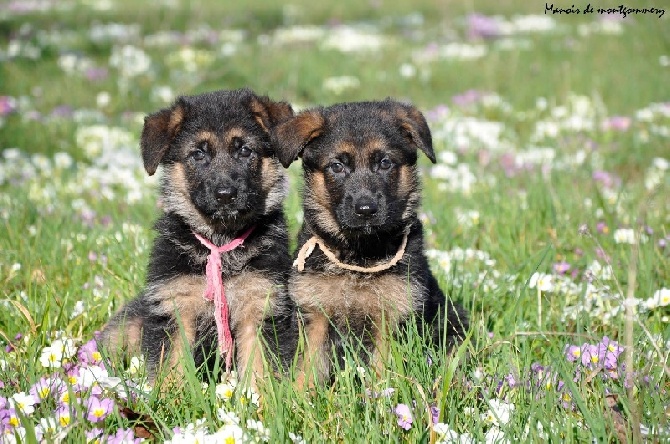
10,418
44,387
583,230
23,402
543,282
590,356
227,417
51,357
224,391
404,414
63,415
624,236
93,435
601,227
661,298
123,436
249,396
561,267
136,365
296,439
48,426
98,409
262,431
89,354
499,412
572,353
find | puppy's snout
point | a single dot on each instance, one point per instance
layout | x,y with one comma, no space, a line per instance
226,194
366,206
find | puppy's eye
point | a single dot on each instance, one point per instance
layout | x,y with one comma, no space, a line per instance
245,151
385,163
336,167
198,155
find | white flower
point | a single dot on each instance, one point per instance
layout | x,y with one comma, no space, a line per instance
90,376
229,434
227,417
661,298
495,436
136,365
296,439
499,412
224,391
262,431
624,236
543,282
23,402
78,309
51,357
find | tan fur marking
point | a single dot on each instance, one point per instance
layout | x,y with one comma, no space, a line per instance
232,133
271,173
384,298
337,295
124,337
314,365
251,297
317,198
176,198
181,297
176,119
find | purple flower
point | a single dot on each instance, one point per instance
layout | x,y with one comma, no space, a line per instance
609,352
482,27
511,380
404,414
7,105
94,434
123,436
572,353
602,228
88,353
45,387
617,123
98,409
590,355
561,267
434,414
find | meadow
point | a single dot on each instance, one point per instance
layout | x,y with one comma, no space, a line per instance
547,214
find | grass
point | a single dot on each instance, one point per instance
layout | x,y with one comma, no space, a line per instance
503,203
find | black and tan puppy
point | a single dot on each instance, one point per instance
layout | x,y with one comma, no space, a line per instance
221,182
361,272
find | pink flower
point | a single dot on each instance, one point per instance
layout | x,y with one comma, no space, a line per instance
404,414
98,409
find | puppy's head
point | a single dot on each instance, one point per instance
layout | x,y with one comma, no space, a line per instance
221,172
360,164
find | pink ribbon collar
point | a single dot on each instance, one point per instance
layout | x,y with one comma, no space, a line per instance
215,291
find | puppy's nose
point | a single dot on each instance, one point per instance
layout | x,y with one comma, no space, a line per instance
226,194
365,206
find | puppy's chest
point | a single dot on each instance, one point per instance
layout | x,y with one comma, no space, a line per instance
354,294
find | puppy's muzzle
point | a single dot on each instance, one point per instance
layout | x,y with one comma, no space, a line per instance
366,206
225,194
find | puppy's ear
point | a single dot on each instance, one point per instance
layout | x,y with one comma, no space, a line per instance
159,130
269,113
415,128
291,136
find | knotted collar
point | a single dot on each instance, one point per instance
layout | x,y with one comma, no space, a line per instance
215,291
309,246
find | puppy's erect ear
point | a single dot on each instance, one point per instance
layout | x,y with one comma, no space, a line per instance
291,136
269,113
415,127
160,128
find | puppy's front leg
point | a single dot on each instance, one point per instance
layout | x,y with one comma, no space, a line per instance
314,366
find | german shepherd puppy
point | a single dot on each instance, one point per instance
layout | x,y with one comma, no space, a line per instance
221,181
361,272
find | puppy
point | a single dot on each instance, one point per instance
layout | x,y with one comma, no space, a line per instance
360,271
221,186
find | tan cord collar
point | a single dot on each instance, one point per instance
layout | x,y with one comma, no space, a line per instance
309,246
